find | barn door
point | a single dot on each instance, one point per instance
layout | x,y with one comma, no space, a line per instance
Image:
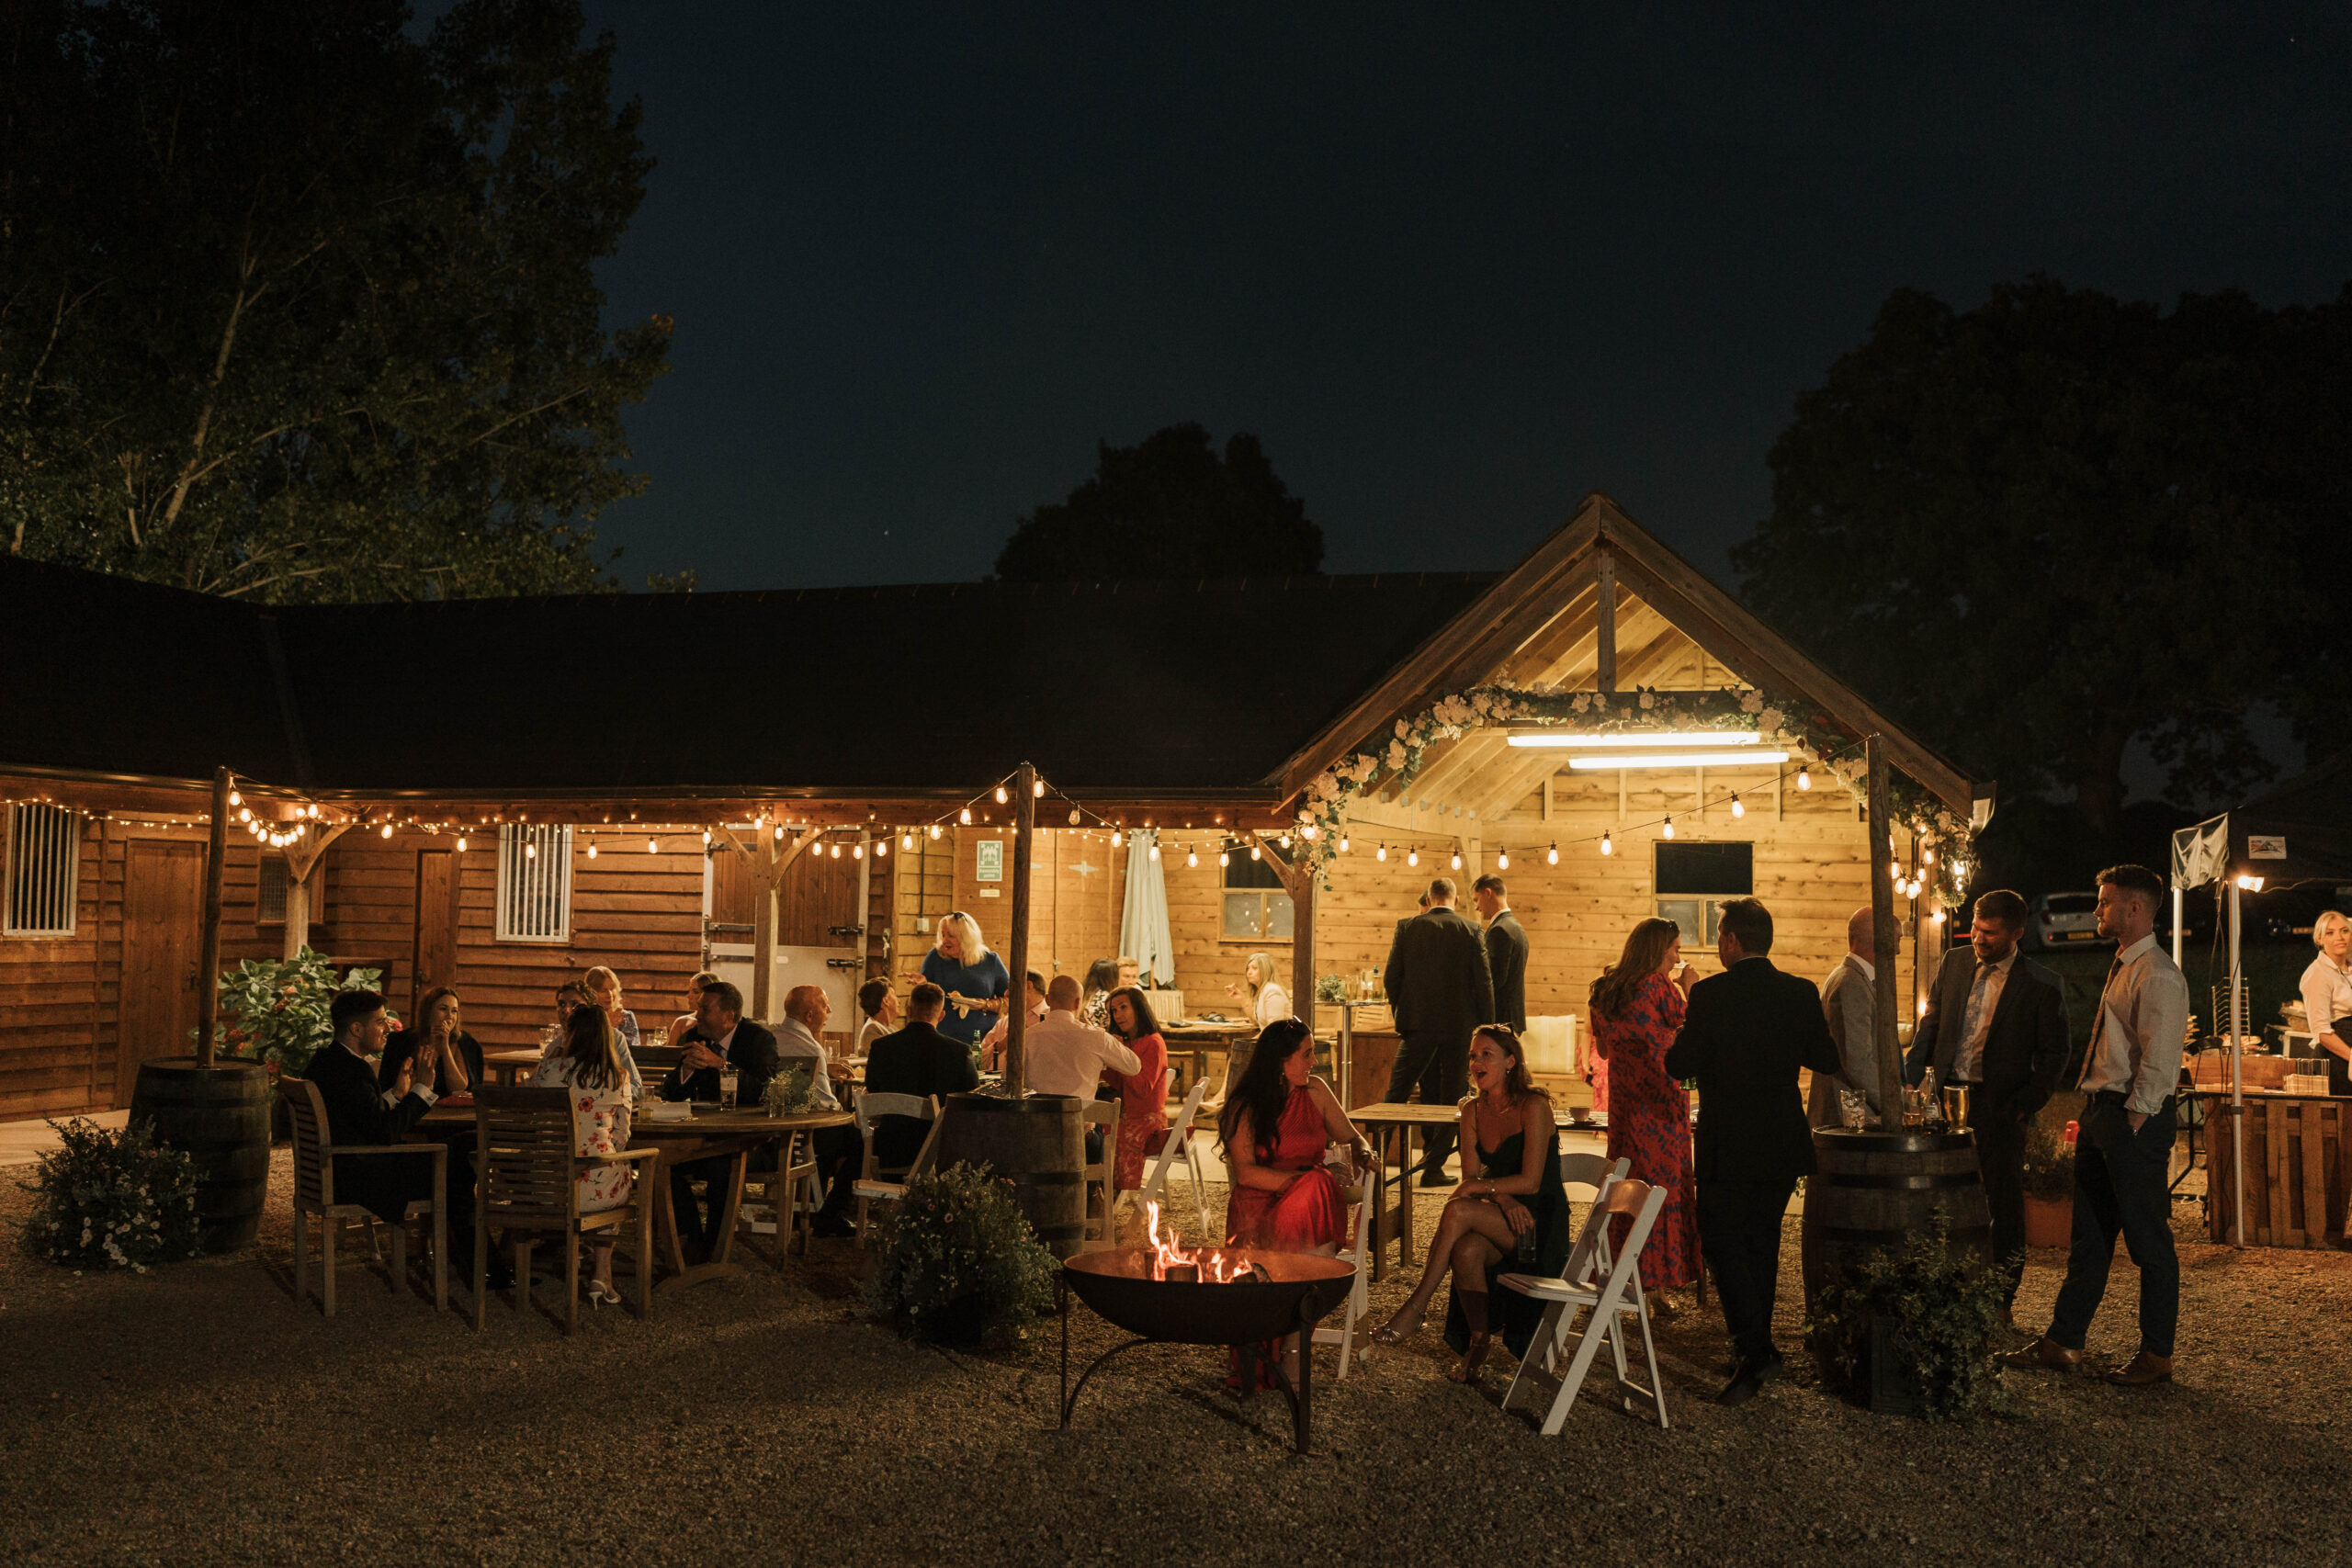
432,960
819,933
163,931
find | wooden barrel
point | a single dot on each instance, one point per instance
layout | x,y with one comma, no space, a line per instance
1875,1189
219,1116
1038,1144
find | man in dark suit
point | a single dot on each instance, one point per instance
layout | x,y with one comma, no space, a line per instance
722,1035
1996,1025
1746,1033
1438,989
919,1061
1506,951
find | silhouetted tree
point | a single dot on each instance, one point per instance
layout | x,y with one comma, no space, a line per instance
1169,506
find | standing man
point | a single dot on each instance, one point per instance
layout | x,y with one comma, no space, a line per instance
1506,951
1996,1026
1440,989
2123,1150
1744,1035
1849,1004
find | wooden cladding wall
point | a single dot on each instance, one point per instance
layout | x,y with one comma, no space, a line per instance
1074,902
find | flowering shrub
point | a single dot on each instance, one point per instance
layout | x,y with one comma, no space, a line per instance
791,1092
959,1258
277,1012
111,1200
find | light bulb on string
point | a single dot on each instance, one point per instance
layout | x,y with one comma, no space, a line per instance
247,815
706,838
857,852
1381,853
592,852
1736,808
1413,855
1223,858
1073,815
1552,855
235,799
530,852
1457,859
1668,830
1190,858
388,830
1037,788
652,846
1805,778
882,848
1001,796
1503,860
936,830
1253,852
1155,851
461,843
837,852
1894,870
1607,848
966,818
906,842
779,832
1343,844
1284,841
1116,837
1308,830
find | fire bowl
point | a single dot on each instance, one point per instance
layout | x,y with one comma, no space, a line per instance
1300,1288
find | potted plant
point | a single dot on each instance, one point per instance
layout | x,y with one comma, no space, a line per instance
109,1200
276,1013
1913,1329
2048,1186
959,1262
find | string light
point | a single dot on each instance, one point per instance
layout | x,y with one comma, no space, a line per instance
1895,871
1503,860
882,848
1253,852
936,830
1192,859
779,832
1552,855
965,819
1155,851
907,843
1606,847
1413,855
461,843
857,852
530,852
1381,853
1736,808
837,852
235,799
1804,777
1116,838
1001,796
652,846
1284,841
1343,844
592,851
1668,830
1223,858
1927,854
1073,815
388,830
1306,830
1457,859
1037,788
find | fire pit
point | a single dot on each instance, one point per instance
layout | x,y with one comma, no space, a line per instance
1164,1294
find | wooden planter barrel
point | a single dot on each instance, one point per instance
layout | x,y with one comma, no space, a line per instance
219,1116
1873,1190
1038,1144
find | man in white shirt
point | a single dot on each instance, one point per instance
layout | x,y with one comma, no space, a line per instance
1847,1002
2123,1148
805,1009
1061,1054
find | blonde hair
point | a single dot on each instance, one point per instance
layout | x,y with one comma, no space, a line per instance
967,931
600,975
2328,920
1258,972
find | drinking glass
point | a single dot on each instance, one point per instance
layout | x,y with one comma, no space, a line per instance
1853,1109
727,1088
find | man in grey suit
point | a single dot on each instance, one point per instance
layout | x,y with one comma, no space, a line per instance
1440,989
1847,1003
1506,951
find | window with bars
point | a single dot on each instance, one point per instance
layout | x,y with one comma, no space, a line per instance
44,864
269,893
534,882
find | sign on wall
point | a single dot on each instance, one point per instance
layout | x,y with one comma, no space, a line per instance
989,866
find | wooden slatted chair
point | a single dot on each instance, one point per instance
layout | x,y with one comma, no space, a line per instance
1611,1292
1101,1231
790,1196
314,1195
526,1184
876,1182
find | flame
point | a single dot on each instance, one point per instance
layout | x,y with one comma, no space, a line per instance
1215,1268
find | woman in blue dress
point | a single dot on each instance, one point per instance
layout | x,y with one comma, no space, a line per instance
975,979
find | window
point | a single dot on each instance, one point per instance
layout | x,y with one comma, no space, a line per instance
1693,881
1256,908
269,893
44,863
534,882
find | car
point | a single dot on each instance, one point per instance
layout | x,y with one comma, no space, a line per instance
2062,919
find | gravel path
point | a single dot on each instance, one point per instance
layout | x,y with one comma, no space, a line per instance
196,1416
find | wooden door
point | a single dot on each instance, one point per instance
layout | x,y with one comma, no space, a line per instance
433,961
817,899
163,935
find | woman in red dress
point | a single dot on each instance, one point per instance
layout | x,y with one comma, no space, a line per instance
1284,1199
1143,1094
1636,1011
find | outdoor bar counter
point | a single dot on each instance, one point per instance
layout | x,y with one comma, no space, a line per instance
2297,1171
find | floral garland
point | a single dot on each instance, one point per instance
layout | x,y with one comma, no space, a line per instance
1397,758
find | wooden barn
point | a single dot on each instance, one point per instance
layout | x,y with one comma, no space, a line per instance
497,795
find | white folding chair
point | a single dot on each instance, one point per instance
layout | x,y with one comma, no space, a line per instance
1610,1291
1358,1291
1103,1114
1178,1145
874,1181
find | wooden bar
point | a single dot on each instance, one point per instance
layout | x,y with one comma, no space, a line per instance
2297,1167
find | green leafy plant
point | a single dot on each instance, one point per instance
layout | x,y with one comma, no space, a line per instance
1942,1305
277,1012
2049,1164
959,1260
109,1200
1331,989
790,1092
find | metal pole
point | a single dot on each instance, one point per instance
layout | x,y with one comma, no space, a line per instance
2237,1087
2176,924
208,964
1888,939
1024,835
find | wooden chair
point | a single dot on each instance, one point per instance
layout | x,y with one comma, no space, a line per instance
1101,1174
526,1182
1178,1145
1358,1253
880,1192
314,1194
875,1180
1611,1292
791,1194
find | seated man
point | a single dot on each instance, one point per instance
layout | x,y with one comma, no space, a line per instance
919,1061
1063,1054
837,1149
992,1046
361,1112
720,1035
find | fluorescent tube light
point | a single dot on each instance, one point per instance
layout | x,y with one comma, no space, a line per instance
1658,737
1680,759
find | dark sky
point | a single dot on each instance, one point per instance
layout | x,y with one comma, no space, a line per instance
1454,265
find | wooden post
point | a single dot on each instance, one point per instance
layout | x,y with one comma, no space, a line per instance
1016,1016
763,937
297,913
1605,624
208,962
1302,944
1888,938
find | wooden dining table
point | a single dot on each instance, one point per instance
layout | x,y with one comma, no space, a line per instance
507,1068
731,1135
1394,1128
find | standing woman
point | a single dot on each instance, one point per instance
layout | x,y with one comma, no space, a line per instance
1143,1094
1514,1216
1276,1124
604,994
445,1058
2327,997
961,964
1267,1003
589,1065
1636,1011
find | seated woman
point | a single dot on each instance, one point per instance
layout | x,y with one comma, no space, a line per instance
444,1058
605,993
1101,979
570,995
1266,1000
1276,1124
1513,1217
683,1024
590,1066
1143,1094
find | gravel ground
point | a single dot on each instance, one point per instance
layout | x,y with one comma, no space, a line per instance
197,1415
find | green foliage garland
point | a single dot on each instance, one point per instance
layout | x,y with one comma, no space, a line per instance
959,1259
111,1200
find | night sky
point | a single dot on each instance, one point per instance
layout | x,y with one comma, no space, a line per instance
1455,267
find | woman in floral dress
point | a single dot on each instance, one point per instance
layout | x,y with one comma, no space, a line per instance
593,1068
1636,1011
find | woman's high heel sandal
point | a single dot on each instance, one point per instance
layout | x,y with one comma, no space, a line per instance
1473,1359
1394,1331
601,1294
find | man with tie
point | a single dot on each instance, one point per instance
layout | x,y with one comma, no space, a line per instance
1506,951
1996,1026
2123,1149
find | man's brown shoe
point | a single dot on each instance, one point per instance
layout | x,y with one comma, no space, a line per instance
2044,1355
2145,1369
